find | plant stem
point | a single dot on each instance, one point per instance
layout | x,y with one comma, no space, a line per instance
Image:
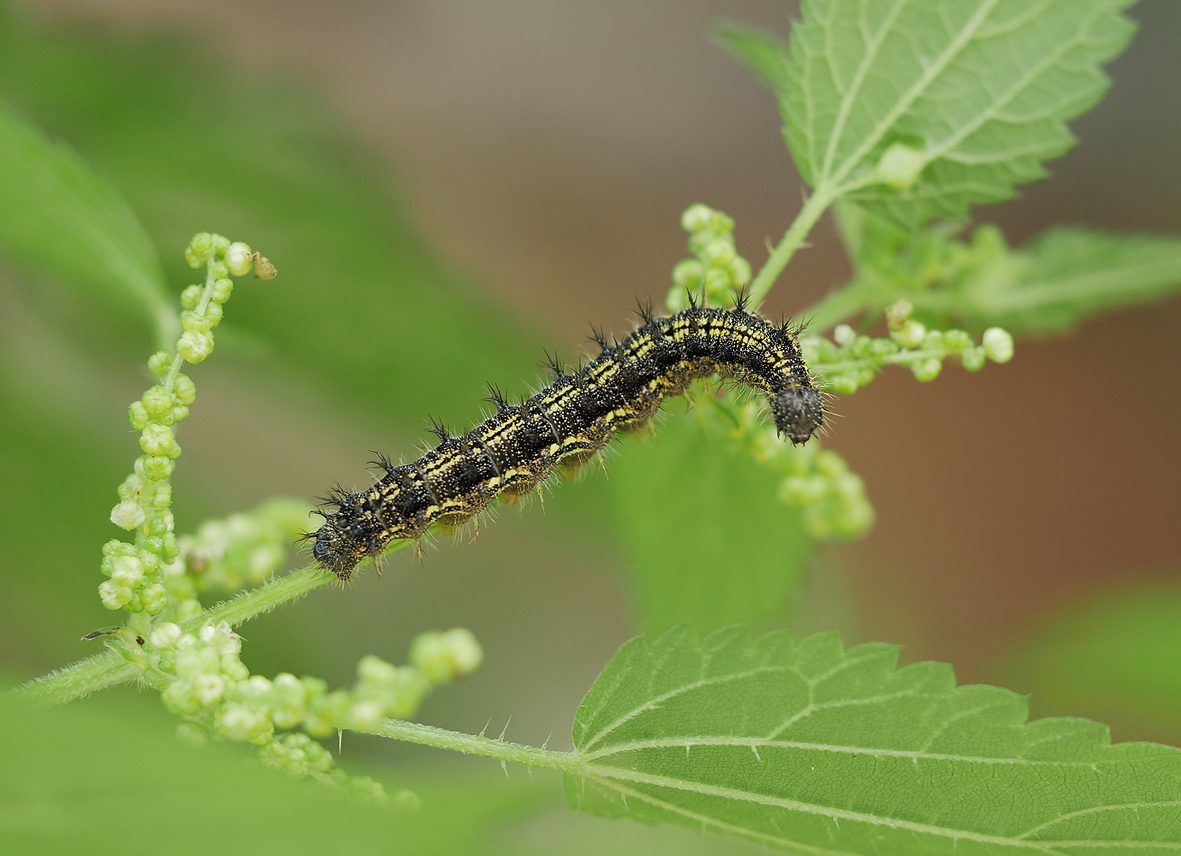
901,358
792,240
836,306
109,668
471,744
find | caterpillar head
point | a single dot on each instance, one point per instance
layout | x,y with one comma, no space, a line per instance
799,413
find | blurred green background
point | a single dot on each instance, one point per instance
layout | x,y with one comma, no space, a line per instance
447,188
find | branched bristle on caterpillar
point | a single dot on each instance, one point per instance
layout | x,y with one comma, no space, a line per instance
570,421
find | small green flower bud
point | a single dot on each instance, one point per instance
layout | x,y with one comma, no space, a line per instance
113,596
909,334
843,335
158,468
195,347
126,571
696,217
159,363
998,344
805,490
220,244
366,788
222,289
137,415
934,340
927,370
740,271
239,258
155,599
364,715
161,497
127,515
176,414
688,274
184,389
239,722
195,322
463,651
698,241
956,341
191,297
829,463
718,253
973,359
842,384
717,281
721,223
677,299
157,401
200,249
214,313
158,440
165,635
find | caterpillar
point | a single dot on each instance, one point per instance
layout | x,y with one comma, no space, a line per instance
519,445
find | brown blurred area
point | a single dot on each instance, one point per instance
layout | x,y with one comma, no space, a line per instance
548,148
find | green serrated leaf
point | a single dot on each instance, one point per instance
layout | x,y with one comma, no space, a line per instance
712,550
922,109
61,220
1067,275
763,54
813,748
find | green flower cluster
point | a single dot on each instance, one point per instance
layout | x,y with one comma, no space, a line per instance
830,496
246,548
204,680
850,361
930,260
145,577
715,272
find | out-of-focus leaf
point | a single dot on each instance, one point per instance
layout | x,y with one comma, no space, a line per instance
704,535
361,304
59,220
1114,656
1047,285
763,54
812,748
109,776
1065,276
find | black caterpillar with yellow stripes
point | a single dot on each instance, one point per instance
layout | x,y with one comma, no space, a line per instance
569,421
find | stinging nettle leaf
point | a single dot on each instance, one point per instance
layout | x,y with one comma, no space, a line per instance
1068,274
812,748
60,219
717,551
762,53
921,109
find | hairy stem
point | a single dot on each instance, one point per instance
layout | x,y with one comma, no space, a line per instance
109,668
472,744
792,240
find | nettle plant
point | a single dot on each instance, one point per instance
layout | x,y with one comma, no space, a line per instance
900,116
